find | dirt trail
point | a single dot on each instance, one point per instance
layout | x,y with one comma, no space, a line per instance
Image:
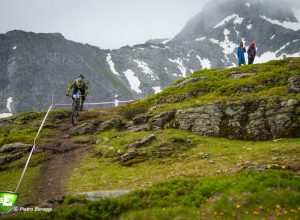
65,155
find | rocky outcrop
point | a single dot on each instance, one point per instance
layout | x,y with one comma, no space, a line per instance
139,123
12,152
241,75
15,147
204,120
143,142
130,154
294,84
191,80
113,123
5,159
162,120
84,128
244,119
92,196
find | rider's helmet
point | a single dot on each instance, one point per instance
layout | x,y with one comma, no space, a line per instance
81,76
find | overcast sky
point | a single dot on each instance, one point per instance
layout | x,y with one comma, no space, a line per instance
103,23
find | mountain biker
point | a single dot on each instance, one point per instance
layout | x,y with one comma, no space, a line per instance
251,53
79,84
240,54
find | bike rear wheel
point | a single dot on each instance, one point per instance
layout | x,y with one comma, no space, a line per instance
74,117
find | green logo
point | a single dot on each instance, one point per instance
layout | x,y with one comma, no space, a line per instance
8,200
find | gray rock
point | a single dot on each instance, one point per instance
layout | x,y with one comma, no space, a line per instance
114,123
241,75
84,128
5,159
15,147
92,196
137,128
161,120
191,80
130,154
141,119
203,120
294,84
264,119
143,142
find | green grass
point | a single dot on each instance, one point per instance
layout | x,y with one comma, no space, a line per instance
207,156
270,81
9,180
180,175
249,195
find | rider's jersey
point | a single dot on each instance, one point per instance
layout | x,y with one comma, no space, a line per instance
80,84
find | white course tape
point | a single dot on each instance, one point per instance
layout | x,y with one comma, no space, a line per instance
33,147
97,103
43,122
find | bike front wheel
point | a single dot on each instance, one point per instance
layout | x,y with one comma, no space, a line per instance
74,117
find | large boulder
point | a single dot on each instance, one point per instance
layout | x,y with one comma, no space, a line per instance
203,120
162,120
5,159
263,119
84,128
113,123
294,84
15,147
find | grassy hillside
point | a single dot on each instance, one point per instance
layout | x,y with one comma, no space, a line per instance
172,173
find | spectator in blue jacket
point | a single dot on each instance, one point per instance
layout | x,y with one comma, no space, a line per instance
240,54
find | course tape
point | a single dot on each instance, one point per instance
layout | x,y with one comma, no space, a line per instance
97,103
41,126
33,147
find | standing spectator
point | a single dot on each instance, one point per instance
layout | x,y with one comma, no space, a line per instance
251,53
240,54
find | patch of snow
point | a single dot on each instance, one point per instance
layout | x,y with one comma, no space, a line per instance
191,70
272,37
134,82
248,4
156,89
116,101
144,66
166,69
249,27
267,56
166,41
227,45
236,17
180,66
5,115
155,47
294,41
286,24
15,47
205,63
200,39
8,105
214,41
111,64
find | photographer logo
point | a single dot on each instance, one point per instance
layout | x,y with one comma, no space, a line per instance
7,201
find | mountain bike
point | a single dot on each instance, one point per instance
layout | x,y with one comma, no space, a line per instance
76,107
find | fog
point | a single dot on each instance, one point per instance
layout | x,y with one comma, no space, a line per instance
107,24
